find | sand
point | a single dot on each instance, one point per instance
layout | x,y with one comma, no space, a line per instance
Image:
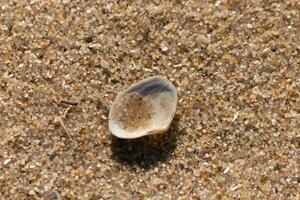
235,65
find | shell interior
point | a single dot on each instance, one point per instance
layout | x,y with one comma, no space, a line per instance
146,107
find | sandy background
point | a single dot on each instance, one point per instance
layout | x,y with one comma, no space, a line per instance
235,65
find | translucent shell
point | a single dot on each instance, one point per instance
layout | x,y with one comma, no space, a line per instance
147,107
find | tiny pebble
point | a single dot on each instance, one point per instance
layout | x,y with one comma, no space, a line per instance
7,161
226,170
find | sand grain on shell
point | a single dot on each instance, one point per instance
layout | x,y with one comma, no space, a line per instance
133,111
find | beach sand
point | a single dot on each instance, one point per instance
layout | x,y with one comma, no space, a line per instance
235,65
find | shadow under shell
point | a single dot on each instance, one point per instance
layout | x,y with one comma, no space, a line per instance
148,151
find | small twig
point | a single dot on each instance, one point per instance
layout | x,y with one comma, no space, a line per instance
70,102
66,112
65,128
56,100
64,115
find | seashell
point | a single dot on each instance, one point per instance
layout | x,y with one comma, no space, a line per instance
145,108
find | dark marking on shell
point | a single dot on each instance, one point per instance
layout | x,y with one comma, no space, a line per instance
150,87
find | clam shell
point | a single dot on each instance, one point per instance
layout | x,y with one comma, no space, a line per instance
147,107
